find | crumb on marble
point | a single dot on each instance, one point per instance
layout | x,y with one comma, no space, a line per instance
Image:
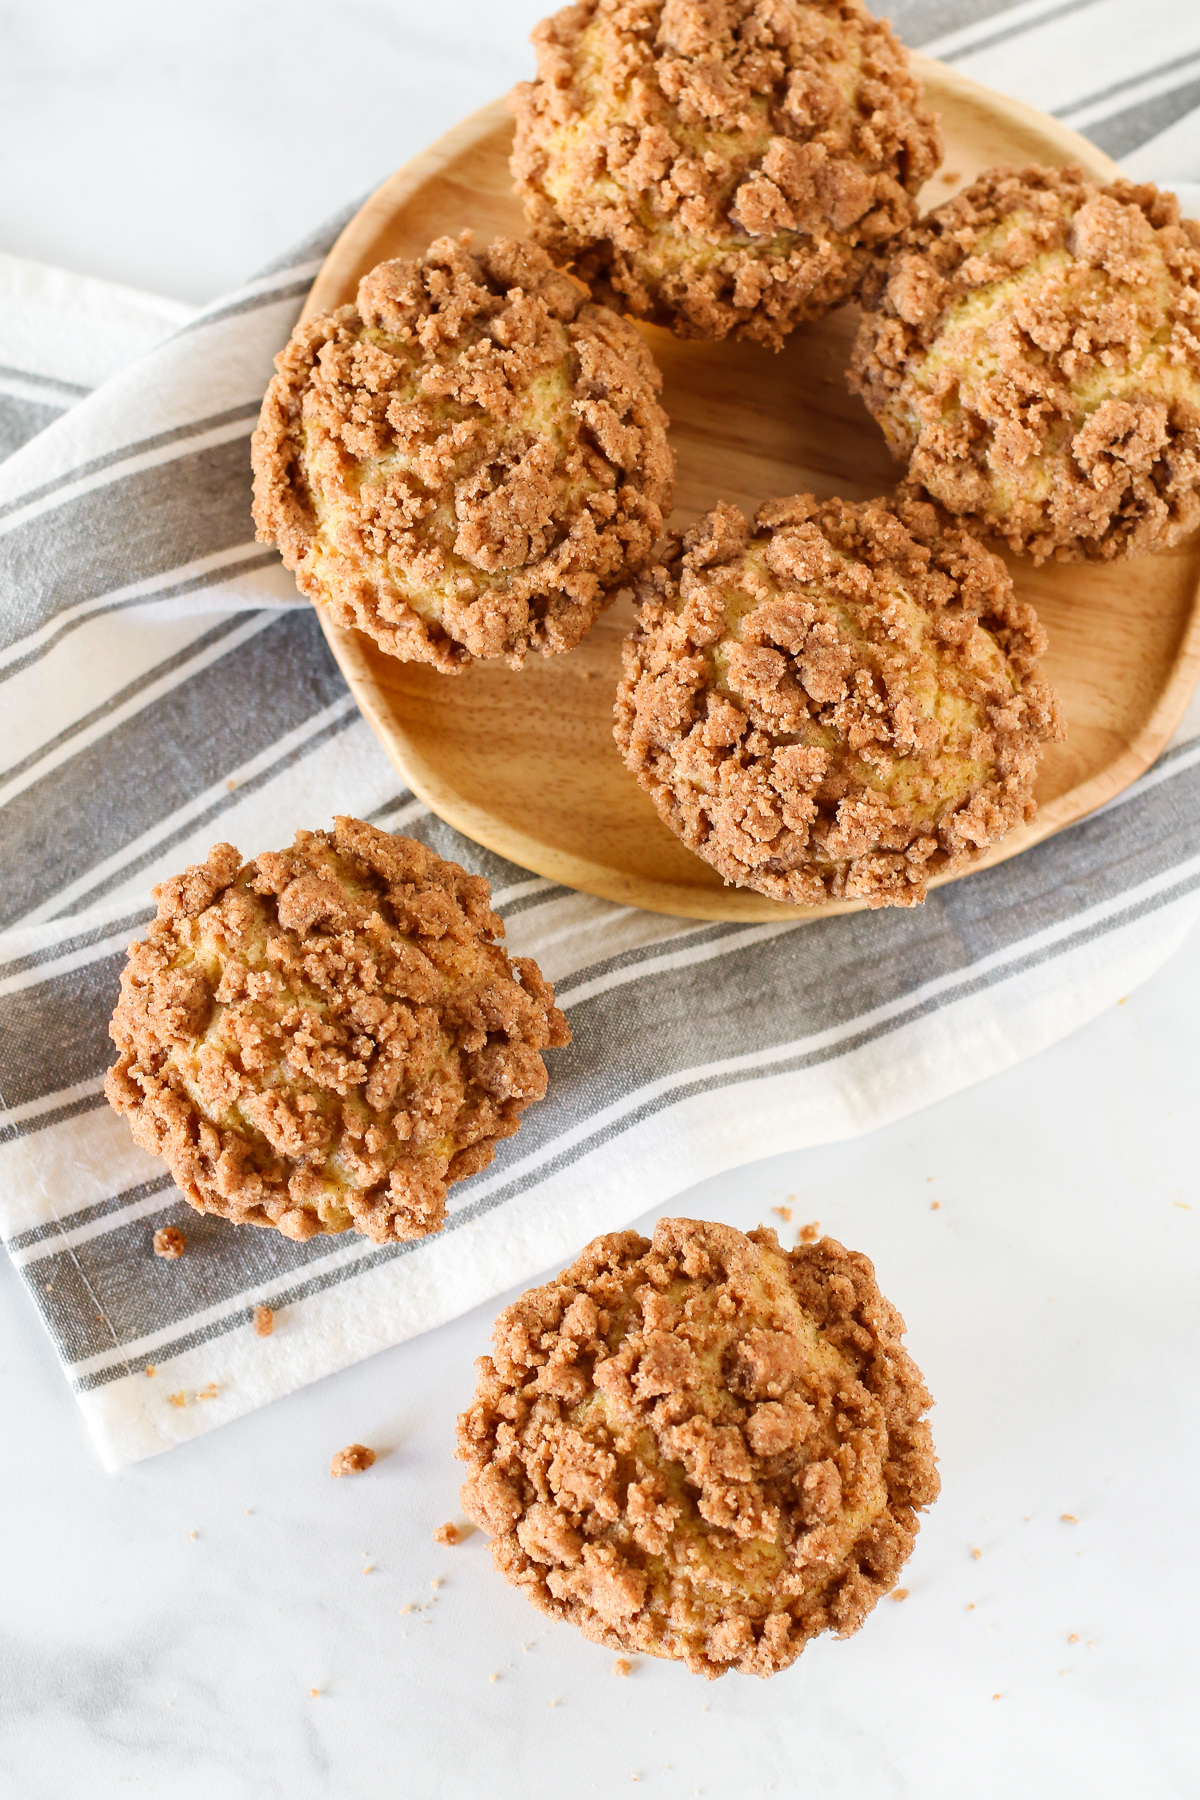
785,1213
1070,1518
169,1242
898,1594
449,1533
976,1552
810,1233
622,1666
353,1460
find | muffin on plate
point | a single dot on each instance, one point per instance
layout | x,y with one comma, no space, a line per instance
838,704
1032,351
726,166
702,1447
467,462
325,1038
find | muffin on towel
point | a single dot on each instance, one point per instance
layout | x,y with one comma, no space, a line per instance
725,165
837,704
1032,351
325,1038
469,461
702,1447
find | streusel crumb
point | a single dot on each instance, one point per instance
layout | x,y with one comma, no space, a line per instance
838,704
1032,350
725,165
449,1533
705,1447
327,1037
169,1242
352,1460
263,1320
469,461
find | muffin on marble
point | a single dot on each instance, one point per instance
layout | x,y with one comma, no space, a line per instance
703,1447
467,462
838,704
726,166
1032,351
325,1038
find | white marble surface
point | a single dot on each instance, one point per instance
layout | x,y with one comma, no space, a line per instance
1052,1301
1052,1294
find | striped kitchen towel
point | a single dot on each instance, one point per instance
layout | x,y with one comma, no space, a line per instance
164,687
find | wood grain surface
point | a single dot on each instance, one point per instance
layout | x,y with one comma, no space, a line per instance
524,762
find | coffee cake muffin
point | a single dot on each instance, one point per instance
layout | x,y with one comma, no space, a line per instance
469,461
725,165
838,704
1032,351
705,1447
325,1038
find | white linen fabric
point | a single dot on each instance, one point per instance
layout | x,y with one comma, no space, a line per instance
163,686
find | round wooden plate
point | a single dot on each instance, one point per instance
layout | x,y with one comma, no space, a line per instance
524,762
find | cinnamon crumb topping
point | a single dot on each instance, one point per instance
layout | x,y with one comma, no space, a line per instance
352,1460
467,462
1032,350
327,1037
838,704
263,1320
725,165
169,1242
702,1447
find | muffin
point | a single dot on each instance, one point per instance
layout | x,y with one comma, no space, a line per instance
839,704
469,461
726,166
1032,351
325,1038
703,1447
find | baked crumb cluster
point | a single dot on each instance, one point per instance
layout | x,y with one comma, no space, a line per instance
704,1447
727,165
466,462
327,1037
838,704
1032,349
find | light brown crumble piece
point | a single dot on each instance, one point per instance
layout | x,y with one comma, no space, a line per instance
327,1037
808,1234
703,1447
898,1594
150,1369
179,1399
469,461
207,1392
623,1667
726,166
1032,351
353,1460
263,1320
784,1212
449,1533
169,1242
837,704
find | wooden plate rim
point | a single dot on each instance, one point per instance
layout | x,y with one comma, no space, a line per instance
351,650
